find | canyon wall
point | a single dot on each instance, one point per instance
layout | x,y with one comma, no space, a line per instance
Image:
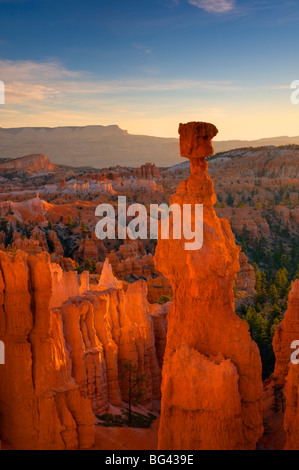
211,378
286,374
40,403
65,344
291,416
285,333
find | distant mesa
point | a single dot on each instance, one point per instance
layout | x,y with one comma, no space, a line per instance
34,163
99,146
94,146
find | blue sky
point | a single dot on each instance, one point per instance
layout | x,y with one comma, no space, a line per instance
147,65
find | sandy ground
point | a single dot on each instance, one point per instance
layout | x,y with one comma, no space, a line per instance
274,437
115,438
126,438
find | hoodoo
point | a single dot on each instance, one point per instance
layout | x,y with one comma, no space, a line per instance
285,333
286,373
211,379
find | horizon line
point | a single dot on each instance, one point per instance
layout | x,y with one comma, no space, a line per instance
145,135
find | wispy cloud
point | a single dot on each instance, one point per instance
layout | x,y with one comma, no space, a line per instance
21,93
49,94
26,70
48,90
214,6
172,3
142,47
28,81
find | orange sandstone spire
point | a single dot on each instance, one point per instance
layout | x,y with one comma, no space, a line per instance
211,379
286,373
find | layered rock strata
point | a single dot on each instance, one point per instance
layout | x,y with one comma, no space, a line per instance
286,373
65,344
40,403
211,379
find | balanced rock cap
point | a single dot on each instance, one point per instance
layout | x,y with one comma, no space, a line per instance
196,139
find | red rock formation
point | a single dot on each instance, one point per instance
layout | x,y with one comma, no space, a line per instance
65,345
291,417
86,351
147,171
67,264
57,247
159,316
286,332
157,287
34,163
132,260
40,403
87,250
196,143
245,283
30,246
66,284
118,326
138,266
286,374
131,248
39,236
211,386
246,276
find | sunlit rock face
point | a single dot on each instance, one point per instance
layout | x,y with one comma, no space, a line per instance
286,332
40,403
246,276
65,342
286,374
107,278
211,378
291,417
115,326
34,163
147,171
196,143
87,249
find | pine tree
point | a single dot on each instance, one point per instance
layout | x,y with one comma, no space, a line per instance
281,281
83,228
273,294
260,286
134,380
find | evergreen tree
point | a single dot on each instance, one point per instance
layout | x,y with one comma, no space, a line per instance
83,228
273,294
281,281
134,379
